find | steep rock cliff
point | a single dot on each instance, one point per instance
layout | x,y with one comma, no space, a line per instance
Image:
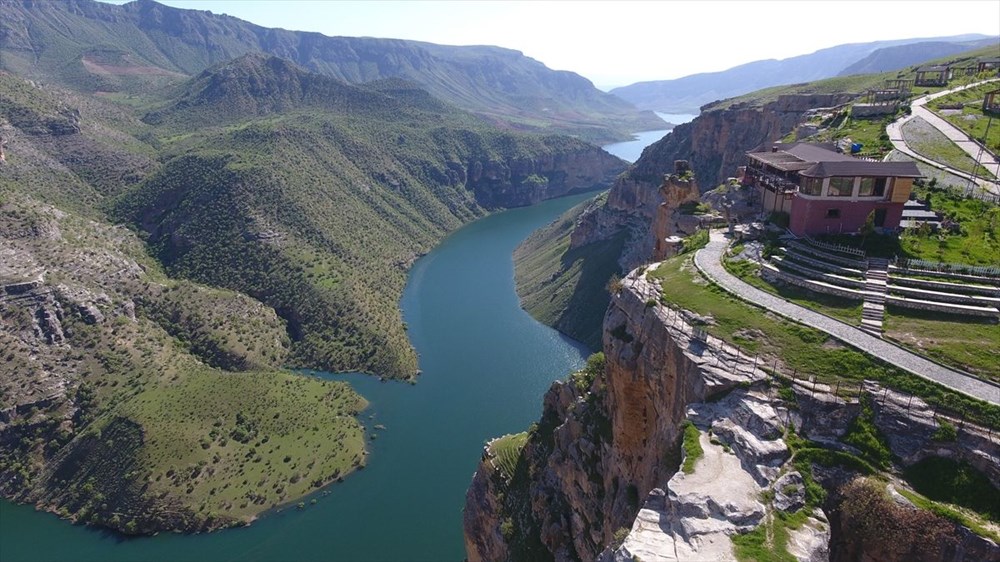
714,144
608,440
526,181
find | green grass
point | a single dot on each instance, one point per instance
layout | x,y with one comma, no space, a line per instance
845,310
971,119
507,450
978,243
692,447
696,241
951,513
870,132
955,482
866,437
933,144
797,348
769,541
969,344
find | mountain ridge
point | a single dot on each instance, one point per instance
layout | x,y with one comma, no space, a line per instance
689,93
143,45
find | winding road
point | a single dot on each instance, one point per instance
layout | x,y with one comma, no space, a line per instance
709,262
918,108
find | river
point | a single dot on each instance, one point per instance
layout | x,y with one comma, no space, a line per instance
631,150
486,364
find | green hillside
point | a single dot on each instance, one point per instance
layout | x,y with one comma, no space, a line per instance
143,47
144,403
855,84
567,288
165,258
314,196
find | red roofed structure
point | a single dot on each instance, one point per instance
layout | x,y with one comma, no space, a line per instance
825,191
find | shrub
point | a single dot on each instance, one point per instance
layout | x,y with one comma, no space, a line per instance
873,518
864,436
945,432
692,447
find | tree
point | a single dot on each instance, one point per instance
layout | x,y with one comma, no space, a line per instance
868,228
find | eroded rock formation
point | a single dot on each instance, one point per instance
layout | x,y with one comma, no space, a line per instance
601,446
715,145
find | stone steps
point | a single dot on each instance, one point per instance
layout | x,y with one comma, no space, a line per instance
876,285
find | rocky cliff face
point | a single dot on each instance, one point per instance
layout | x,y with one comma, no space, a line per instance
526,181
605,443
715,144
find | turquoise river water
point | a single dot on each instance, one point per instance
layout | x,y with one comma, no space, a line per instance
486,364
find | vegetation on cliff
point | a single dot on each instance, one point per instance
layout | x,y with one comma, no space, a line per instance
143,46
273,214
797,349
316,197
563,287
143,403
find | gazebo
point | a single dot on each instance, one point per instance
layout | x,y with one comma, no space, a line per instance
931,76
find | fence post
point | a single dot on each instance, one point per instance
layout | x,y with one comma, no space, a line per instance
884,394
837,391
908,404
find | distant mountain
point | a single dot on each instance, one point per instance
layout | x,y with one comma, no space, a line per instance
895,58
141,45
688,94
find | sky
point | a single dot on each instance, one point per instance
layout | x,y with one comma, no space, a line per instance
620,43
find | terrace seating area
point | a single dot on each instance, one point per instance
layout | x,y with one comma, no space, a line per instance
848,273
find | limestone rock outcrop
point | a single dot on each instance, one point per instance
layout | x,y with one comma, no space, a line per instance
526,181
715,144
603,445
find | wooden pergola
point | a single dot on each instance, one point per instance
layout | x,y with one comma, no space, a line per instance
991,102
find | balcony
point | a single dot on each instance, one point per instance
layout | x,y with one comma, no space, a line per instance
773,182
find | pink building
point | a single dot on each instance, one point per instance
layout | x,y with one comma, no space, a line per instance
827,192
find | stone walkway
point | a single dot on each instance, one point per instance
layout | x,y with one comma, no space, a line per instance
986,159
709,262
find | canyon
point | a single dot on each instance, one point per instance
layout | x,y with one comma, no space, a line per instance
598,478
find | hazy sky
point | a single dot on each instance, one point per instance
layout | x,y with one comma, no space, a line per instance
618,43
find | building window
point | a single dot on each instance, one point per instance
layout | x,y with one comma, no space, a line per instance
833,213
811,186
872,187
841,187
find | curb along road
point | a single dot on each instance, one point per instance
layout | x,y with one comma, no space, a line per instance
708,260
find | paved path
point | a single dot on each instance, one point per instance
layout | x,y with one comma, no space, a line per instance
709,261
986,159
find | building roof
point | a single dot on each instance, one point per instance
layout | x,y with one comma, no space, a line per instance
862,168
934,68
823,161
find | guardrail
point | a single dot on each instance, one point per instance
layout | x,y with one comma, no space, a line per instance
979,270
835,247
